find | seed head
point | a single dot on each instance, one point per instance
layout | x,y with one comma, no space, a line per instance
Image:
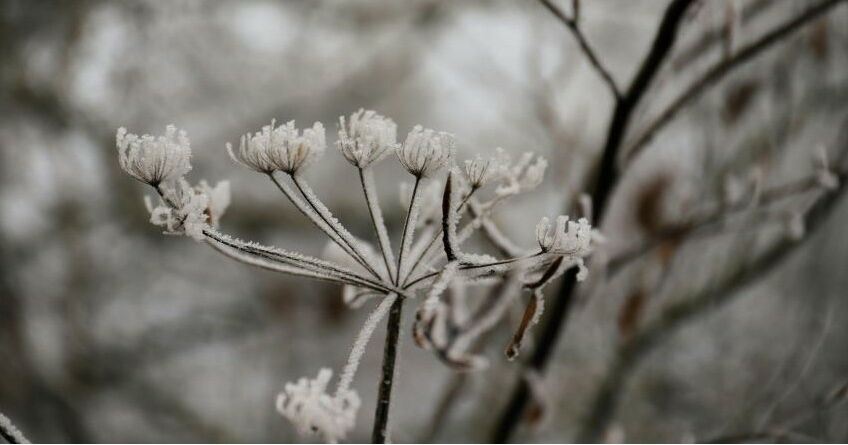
366,138
153,160
282,148
425,152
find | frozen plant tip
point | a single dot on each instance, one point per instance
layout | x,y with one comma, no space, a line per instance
312,410
153,160
422,265
280,148
424,152
366,137
480,171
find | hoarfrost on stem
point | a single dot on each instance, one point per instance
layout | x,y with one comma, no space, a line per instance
443,325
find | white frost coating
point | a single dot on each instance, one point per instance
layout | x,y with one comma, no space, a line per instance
424,151
280,148
524,176
486,322
186,210
314,217
795,225
408,233
366,258
366,138
153,160
379,224
481,171
430,202
308,406
263,256
10,429
362,339
431,317
264,263
355,297
824,175
570,239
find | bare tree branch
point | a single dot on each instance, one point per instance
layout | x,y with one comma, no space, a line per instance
572,24
721,291
604,181
722,68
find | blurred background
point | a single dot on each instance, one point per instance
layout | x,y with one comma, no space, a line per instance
110,331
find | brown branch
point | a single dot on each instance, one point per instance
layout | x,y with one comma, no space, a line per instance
572,24
604,181
721,69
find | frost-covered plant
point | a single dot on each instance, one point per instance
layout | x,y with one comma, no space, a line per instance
432,264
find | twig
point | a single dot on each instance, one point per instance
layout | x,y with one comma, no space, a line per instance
572,24
631,353
605,180
709,221
9,432
720,70
832,399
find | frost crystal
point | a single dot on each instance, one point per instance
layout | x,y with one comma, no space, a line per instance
570,239
312,410
480,171
366,138
425,152
524,176
154,160
186,210
282,148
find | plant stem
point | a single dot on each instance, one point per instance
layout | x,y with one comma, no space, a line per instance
380,433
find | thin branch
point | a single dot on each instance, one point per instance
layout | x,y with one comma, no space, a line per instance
324,213
9,432
573,26
367,180
710,221
425,254
722,68
319,222
406,237
721,291
604,180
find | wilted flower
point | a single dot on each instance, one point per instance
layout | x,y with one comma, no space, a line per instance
424,152
153,160
312,410
282,148
366,138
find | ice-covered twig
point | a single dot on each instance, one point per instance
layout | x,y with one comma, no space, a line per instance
9,432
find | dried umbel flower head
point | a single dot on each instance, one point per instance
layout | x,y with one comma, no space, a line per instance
312,410
430,259
481,171
366,137
153,160
424,152
572,238
280,148
525,175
